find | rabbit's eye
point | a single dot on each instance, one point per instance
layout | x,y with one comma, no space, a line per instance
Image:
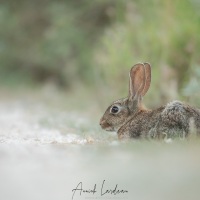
114,110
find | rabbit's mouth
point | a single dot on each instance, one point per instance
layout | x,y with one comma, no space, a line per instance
106,126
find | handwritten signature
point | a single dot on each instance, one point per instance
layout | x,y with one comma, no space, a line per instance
79,189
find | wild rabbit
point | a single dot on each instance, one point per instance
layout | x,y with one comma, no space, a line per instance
130,119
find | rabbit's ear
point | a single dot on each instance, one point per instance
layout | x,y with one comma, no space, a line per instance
147,78
137,81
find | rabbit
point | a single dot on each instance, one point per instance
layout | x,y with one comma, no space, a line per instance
130,119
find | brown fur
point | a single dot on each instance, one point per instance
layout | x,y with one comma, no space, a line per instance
133,120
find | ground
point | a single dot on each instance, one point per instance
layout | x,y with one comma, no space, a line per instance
48,146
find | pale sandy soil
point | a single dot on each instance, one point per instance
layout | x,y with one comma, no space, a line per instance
47,148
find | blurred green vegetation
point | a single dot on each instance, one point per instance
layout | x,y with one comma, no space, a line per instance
94,43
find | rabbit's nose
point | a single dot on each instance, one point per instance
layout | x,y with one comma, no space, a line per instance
101,122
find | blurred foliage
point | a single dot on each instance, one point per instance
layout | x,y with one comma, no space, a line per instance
192,88
50,40
96,42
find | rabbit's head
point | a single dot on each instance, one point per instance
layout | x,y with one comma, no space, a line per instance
122,110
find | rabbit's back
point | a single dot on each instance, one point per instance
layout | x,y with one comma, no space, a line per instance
174,120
